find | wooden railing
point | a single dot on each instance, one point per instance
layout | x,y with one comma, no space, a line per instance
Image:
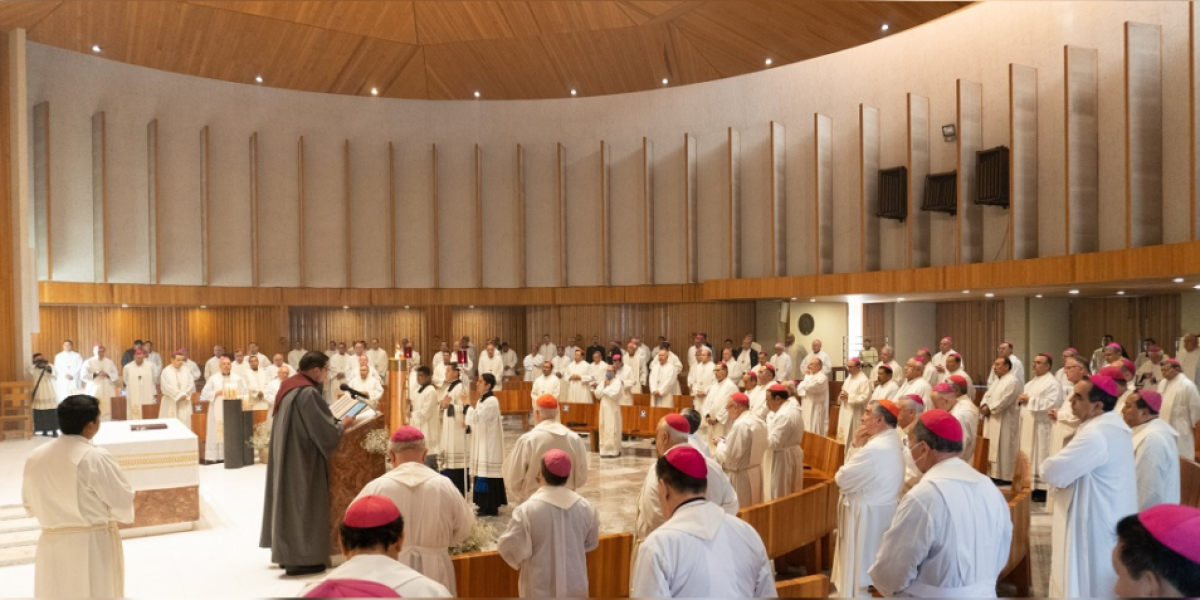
813,586
486,575
16,409
1189,475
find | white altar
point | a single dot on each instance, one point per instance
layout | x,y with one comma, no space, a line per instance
161,459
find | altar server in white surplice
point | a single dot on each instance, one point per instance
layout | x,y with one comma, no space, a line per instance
522,468
952,531
366,382
608,394
551,533
741,451
68,365
436,516
486,460
99,375
814,396
1094,485
426,416
492,361
664,380
373,536
177,387
700,551
715,417
139,384
297,353
1002,419
700,378
783,462
454,441
853,399
579,380
78,494
214,392
870,484
1155,451
1181,405
1042,394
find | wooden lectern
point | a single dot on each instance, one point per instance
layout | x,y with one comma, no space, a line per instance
350,469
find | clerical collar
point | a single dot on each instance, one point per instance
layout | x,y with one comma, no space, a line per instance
422,388
453,383
485,396
695,500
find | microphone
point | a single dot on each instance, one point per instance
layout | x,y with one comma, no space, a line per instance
353,392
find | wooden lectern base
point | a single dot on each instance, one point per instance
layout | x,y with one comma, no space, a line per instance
350,469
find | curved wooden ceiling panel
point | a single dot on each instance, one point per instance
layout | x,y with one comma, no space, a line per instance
447,49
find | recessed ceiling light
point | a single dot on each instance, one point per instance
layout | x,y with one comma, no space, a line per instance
258,79
96,48
345,308
1038,296
124,306
664,81
989,295
471,306
374,91
405,306
476,94
884,28
1196,286
1073,292
899,299
1178,280
966,291
812,299
1121,293
573,91
203,306
768,62
793,299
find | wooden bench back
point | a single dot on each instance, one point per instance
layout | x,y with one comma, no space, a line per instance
486,575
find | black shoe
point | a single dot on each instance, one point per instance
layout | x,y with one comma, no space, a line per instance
1039,495
304,570
54,434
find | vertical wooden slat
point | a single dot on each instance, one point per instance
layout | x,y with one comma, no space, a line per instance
868,178
435,210
300,207
969,232
823,192
347,204
478,221
734,162
255,207
155,246
918,169
690,192
392,213
1082,170
42,197
874,324
647,211
1193,81
99,198
1143,135
206,209
1128,320
977,329
605,212
777,248
1023,162
561,190
521,250
677,322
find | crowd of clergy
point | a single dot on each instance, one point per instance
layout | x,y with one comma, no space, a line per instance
1100,438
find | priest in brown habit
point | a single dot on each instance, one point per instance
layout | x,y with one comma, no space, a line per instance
304,435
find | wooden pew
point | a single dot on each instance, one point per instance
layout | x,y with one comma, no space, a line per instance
1018,570
822,457
486,575
16,409
980,460
797,527
1189,475
515,403
582,418
813,586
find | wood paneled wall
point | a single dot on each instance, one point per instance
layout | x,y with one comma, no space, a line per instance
875,323
1129,320
169,328
10,321
506,323
316,327
675,321
977,329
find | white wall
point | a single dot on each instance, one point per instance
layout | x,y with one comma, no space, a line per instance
831,320
976,44
1048,320
915,325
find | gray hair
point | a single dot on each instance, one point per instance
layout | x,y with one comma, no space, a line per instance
906,402
547,413
399,447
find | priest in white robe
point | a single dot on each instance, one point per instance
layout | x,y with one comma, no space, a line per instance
945,349
663,383
1002,420
366,382
138,378
511,360
546,383
278,362
715,418
914,380
455,444
225,384
271,392
1094,486
826,362
954,367
436,516
522,468
870,482
757,394
579,381
551,533
887,356
177,387
1181,405
68,365
627,372
426,414
531,365
297,353
700,551
256,377
378,357
1042,394
99,375
967,413
1155,451
885,387
1149,372
782,363
213,364
78,494
783,461
608,394
547,350
814,396
492,361
700,378
486,460
1018,369
1065,422
853,399
740,452
952,531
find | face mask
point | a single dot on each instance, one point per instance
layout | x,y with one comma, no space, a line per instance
608,375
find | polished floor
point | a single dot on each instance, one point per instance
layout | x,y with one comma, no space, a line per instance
221,557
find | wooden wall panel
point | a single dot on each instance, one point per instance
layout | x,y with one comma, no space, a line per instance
170,328
647,211
99,197
823,192
1143,134
777,248
977,329
316,327
735,214
41,191
868,186
690,219
875,324
677,322
918,168
1023,162
11,305
605,213
1082,149
970,142
1129,320
504,322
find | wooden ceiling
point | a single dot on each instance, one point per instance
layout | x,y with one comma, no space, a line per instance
446,49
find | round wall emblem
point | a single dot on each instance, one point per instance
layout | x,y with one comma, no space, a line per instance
806,324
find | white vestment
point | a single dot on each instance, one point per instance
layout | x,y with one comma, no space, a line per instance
454,443
487,439
939,360
826,363
609,395
532,366
1003,426
930,374
525,463
714,407
870,484
436,516
100,377
548,539
67,369
649,511
1018,371
758,404
381,569
427,416
294,357
783,461
702,551
510,362
897,371
740,455
370,386
579,391
664,379
1181,409
256,383
916,386
700,378
213,392
341,368
378,358
492,364
858,395
881,391
1156,459
548,351
1094,487
628,374
968,416
1045,394
783,366
962,373
78,494
139,387
177,387
545,384
211,367
1148,375
1189,362
950,537
814,402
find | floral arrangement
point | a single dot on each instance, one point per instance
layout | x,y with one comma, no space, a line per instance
376,442
482,535
261,440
